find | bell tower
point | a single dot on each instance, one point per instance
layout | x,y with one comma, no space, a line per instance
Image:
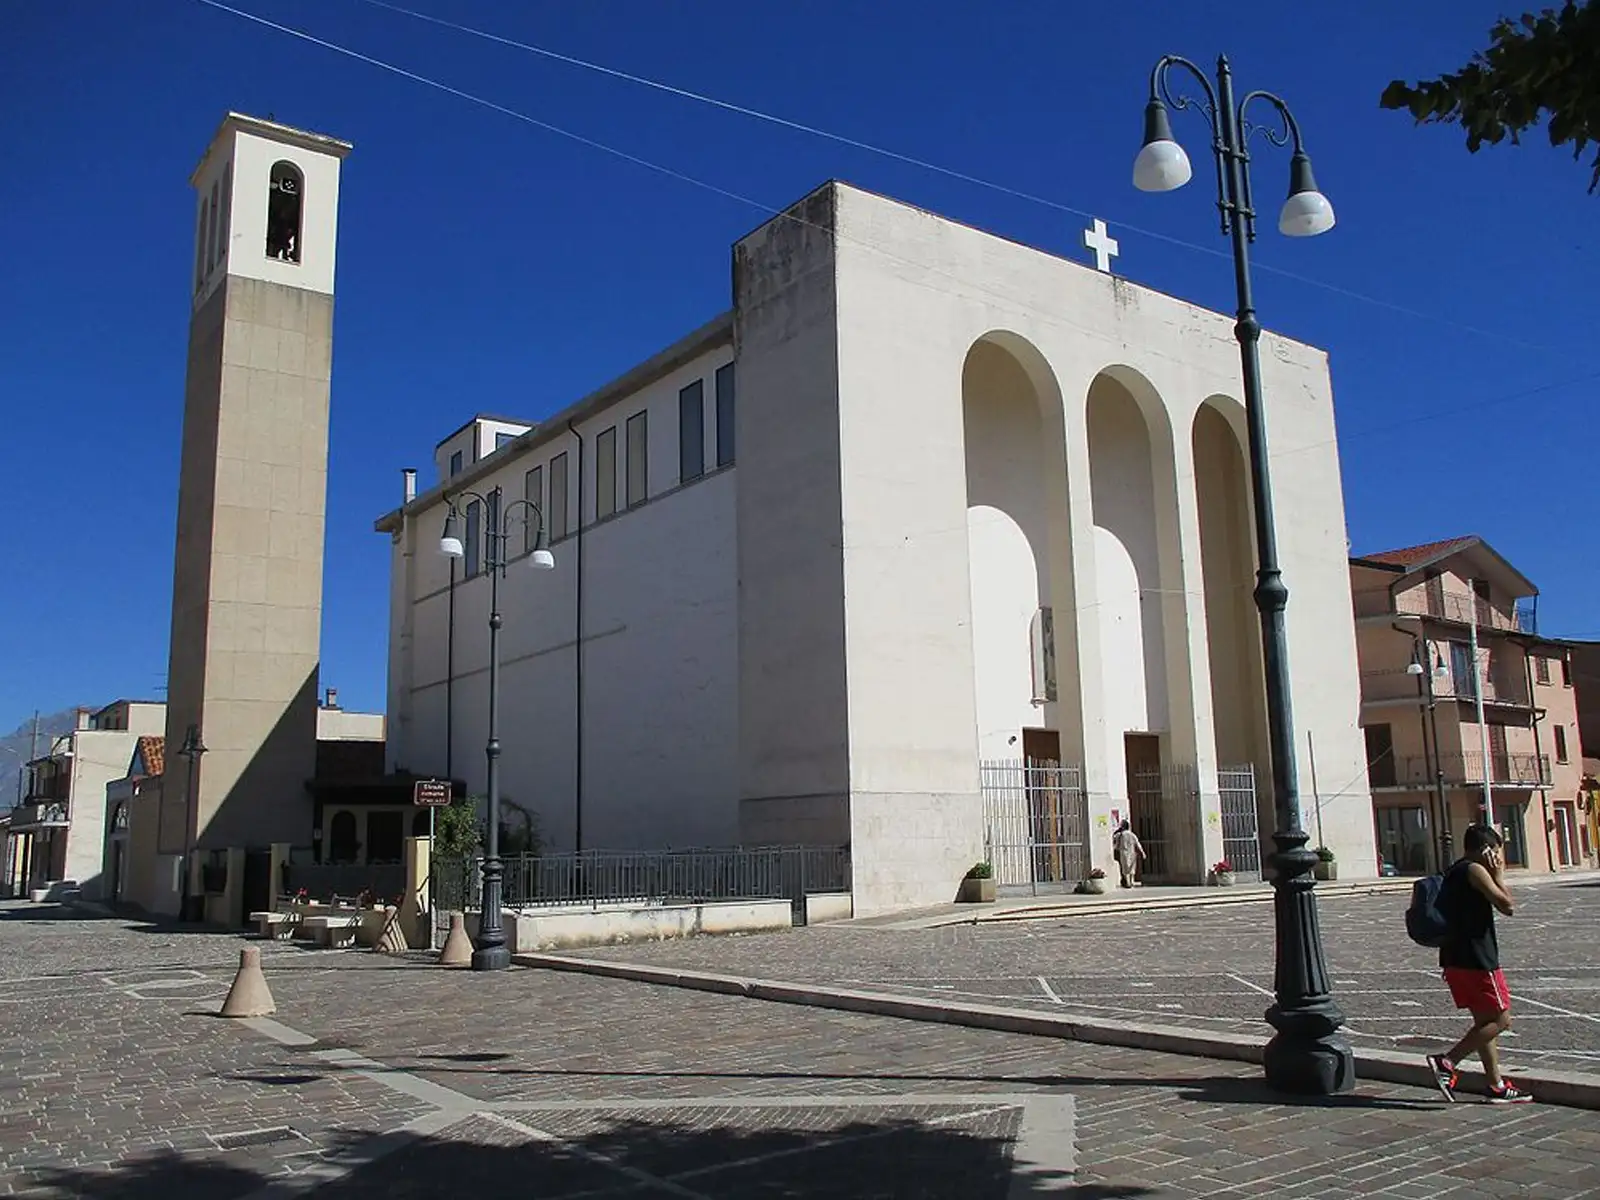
247,574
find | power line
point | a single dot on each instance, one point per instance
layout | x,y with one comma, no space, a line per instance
924,164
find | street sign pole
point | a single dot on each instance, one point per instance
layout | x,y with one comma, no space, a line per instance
432,794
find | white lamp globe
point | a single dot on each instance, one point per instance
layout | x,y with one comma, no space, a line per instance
541,560
1161,167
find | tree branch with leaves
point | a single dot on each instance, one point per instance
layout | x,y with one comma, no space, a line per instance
1539,67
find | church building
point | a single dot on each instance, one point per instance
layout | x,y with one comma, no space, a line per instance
936,545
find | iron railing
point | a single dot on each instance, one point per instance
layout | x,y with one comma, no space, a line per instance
1507,769
1399,684
1036,823
1458,607
1241,820
648,877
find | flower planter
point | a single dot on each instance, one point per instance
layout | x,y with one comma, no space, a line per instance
1094,887
1325,871
1222,878
976,891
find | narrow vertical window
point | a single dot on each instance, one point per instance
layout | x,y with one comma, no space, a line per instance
474,538
533,493
211,231
200,247
725,404
455,464
497,550
605,473
285,201
638,482
692,431
1561,742
558,496
225,219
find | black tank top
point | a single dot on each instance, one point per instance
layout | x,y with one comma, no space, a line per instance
1471,942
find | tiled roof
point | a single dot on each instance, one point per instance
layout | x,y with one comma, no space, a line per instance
153,753
1410,556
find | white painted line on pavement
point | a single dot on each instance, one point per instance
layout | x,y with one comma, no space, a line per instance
1565,1012
1255,987
1048,990
605,1160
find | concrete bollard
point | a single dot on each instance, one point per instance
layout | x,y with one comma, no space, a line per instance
393,938
249,997
457,950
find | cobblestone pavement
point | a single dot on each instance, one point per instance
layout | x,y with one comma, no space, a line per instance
392,1078
1203,967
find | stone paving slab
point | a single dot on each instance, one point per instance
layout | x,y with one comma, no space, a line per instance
1206,968
410,1079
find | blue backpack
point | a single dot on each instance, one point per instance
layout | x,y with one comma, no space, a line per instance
1425,923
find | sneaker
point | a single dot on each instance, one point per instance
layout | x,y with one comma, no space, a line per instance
1509,1093
1444,1076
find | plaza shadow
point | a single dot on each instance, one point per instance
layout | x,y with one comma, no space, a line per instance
685,1154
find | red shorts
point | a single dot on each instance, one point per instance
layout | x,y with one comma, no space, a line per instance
1478,991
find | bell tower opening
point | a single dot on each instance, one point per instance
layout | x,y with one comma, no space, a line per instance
285,203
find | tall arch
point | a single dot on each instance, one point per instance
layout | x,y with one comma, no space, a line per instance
285,211
1025,671
1228,565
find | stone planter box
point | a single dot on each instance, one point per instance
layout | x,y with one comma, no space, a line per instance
976,891
1094,887
1222,878
1325,871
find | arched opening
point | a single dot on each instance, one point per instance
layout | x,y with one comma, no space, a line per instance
1025,673
1141,612
285,204
342,844
1228,565
200,247
225,218
211,231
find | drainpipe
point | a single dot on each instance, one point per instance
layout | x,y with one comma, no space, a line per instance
578,650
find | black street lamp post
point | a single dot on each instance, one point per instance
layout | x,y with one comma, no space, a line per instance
491,954
1422,664
192,749
1307,1055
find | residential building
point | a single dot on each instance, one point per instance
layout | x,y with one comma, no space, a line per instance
925,498
1445,631
57,832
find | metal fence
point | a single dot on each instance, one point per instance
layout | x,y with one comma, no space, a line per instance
603,877
1036,823
1241,828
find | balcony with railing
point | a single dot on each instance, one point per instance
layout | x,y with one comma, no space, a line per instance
1398,685
1508,769
39,814
1457,607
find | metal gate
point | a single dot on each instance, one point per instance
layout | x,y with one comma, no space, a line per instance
1164,809
1241,830
1036,823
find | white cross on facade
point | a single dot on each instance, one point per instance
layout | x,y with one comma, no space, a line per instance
1103,245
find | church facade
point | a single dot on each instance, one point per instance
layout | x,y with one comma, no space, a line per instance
928,519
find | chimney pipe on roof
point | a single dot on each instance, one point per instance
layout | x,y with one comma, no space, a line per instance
410,476
333,699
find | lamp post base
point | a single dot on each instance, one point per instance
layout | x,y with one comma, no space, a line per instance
491,958
1306,1057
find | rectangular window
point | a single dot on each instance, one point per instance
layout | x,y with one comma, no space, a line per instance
724,415
474,538
1561,743
605,473
638,435
1511,817
455,464
1381,770
533,493
503,439
1541,668
1566,670
497,552
558,497
692,431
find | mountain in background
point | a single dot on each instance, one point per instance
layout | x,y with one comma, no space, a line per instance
16,749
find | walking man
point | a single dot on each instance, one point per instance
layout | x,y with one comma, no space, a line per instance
1473,889
1128,850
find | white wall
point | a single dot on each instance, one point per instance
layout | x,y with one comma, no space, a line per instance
99,758
660,648
915,292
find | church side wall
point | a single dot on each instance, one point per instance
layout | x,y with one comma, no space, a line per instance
660,706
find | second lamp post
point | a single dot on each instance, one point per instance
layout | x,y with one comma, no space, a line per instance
490,953
1307,1055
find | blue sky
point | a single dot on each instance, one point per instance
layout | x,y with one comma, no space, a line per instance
487,265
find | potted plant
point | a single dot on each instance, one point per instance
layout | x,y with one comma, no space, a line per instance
1222,873
1095,885
978,886
1325,868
